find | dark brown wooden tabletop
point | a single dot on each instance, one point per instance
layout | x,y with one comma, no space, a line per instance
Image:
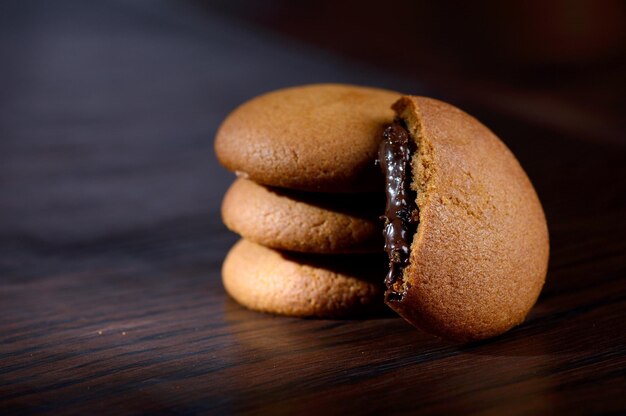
111,240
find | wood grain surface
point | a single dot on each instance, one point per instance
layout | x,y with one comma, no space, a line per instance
111,241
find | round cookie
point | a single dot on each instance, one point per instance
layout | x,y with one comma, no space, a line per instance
320,137
479,257
291,284
304,221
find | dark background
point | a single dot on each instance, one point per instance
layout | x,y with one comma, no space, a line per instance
111,241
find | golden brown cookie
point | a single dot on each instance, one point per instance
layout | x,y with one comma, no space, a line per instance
328,286
479,257
304,221
320,137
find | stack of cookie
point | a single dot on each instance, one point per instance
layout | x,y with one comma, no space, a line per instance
465,233
305,200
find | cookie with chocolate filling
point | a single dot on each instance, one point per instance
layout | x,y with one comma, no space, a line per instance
320,137
305,285
465,232
304,221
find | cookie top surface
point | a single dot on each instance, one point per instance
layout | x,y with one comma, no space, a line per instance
321,137
291,284
479,257
304,221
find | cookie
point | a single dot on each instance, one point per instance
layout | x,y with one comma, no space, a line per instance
304,221
466,233
326,286
321,137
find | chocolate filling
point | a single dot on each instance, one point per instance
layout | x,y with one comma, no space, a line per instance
401,214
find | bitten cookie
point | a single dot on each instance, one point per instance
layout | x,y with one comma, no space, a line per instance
325,286
317,137
304,222
466,233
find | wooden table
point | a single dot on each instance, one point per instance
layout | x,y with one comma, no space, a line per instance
111,241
